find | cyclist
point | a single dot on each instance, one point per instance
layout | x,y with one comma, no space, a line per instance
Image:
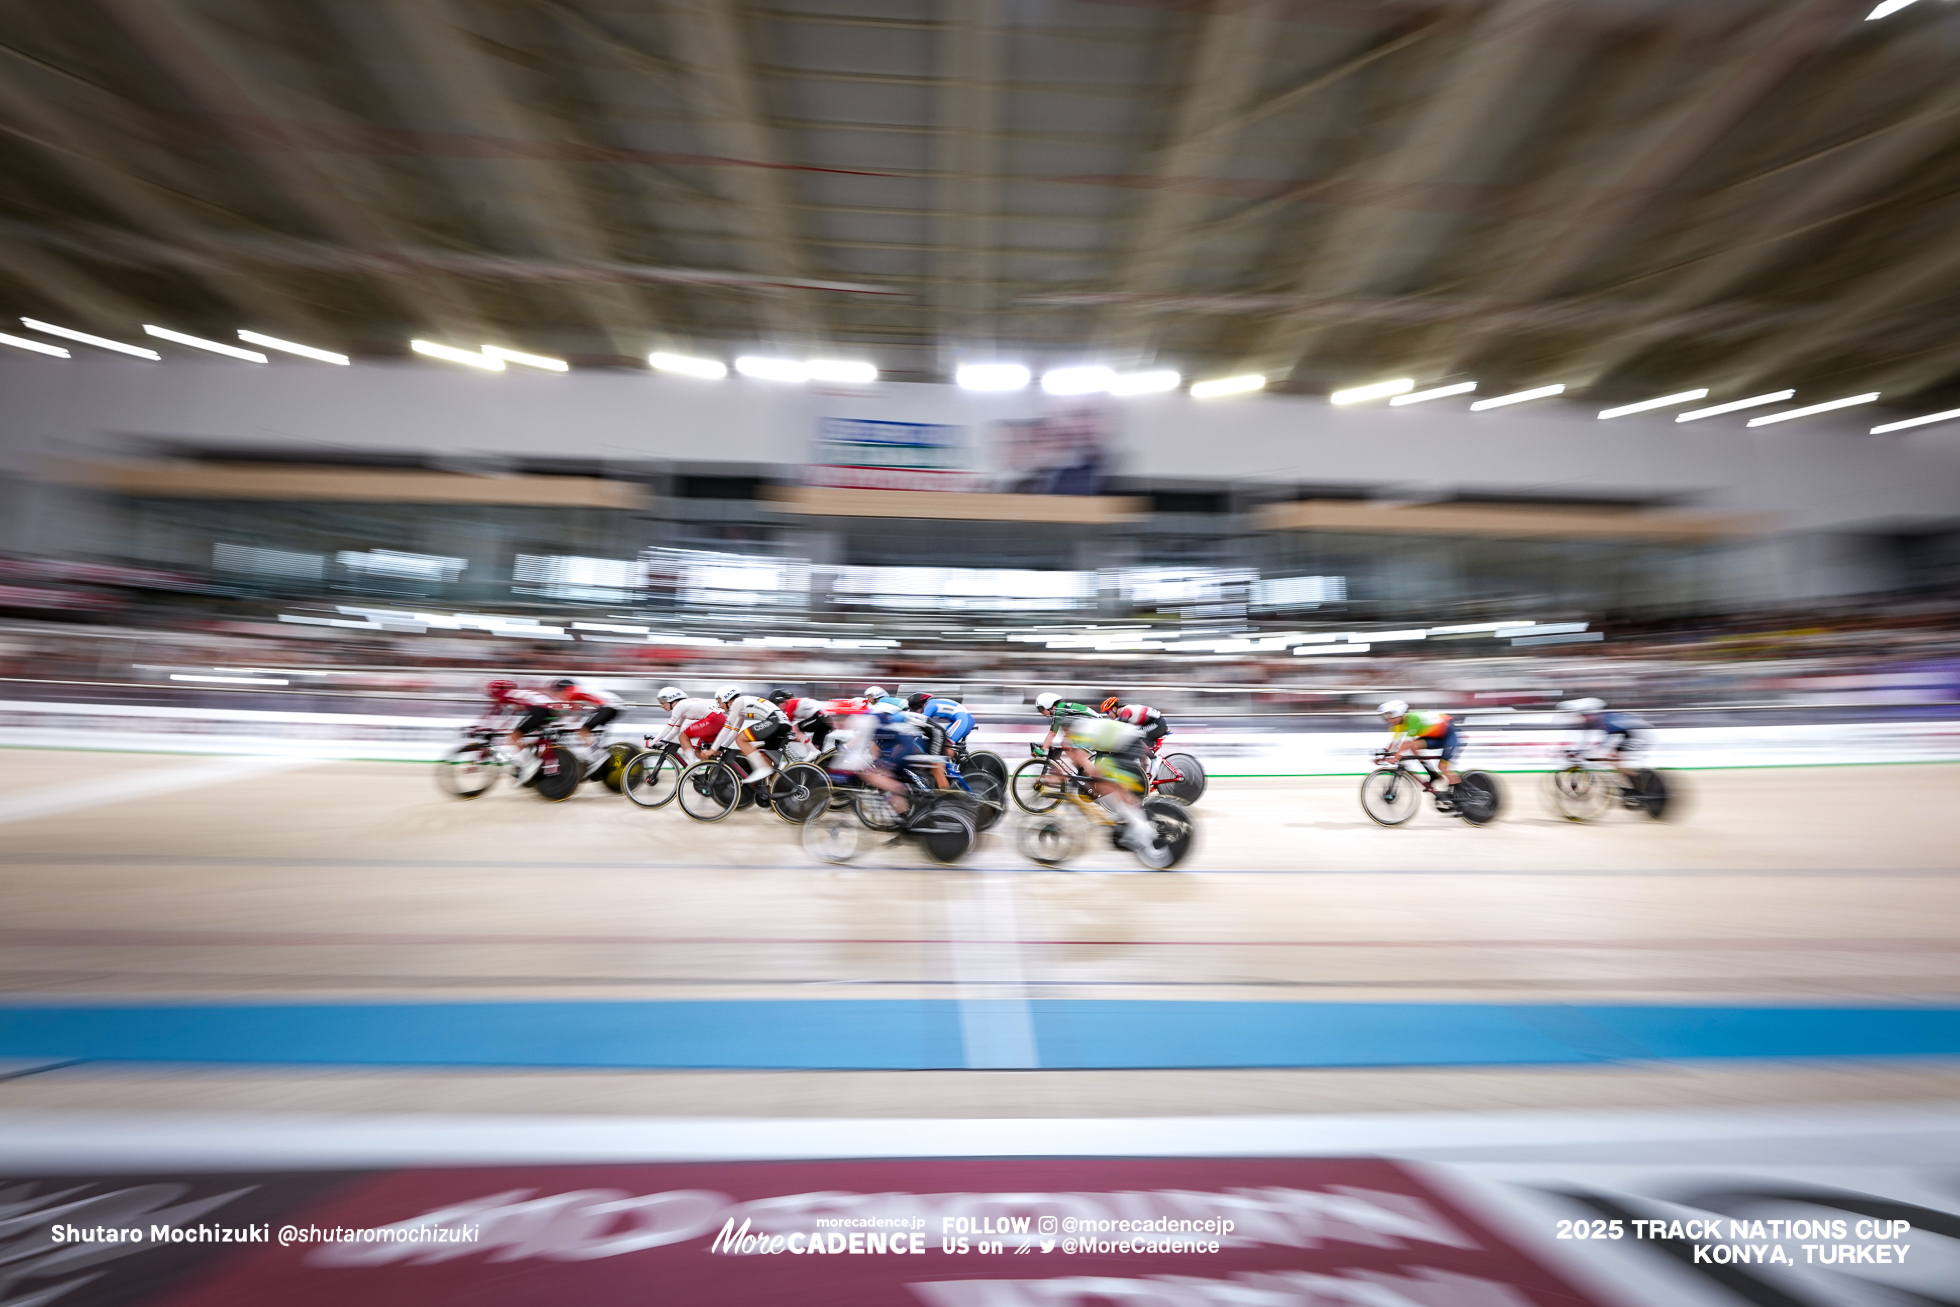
696,722
753,724
1424,732
1059,712
877,694
946,724
883,739
1140,715
601,708
1110,753
1621,734
519,712
807,717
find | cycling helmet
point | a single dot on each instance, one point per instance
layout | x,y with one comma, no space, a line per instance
673,694
1045,703
500,687
780,696
873,693
918,701
1109,703
1582,705
727,692
563,683
1394,708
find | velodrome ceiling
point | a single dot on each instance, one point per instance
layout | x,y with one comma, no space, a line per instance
1625,196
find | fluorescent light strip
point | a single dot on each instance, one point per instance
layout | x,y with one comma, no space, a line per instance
1888,8
1665,401
287,346
21,342
1379,390
846,371
1228,386
538,361
1145,383
1947,416
485,361
1754,401
1439,392
1849,402
198,342
706,369
97,341
1077,381
1543,392
229,680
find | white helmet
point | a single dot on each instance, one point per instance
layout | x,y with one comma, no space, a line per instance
1582,705
672,695
1044,702
1394,708
873,693
727,692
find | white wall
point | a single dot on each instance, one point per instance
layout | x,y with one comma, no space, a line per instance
1822,474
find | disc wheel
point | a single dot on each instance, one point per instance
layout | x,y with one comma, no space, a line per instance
611,771
709,791
946,833
1188,785
1175,831
1650,789
1478,798
1390,796
1031,792
558,777
832,837
1049,839
799,792
652,779
1579,793
468,772
982,760
990,799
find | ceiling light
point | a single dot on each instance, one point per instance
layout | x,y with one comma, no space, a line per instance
1850,402
1663,402
1227,386
528,360
992,376
1078,381
1887,8
97,341
1439,392
708,369
1380,390
1947,416
750,365
454,355
847,371
1543,392
304,351
1754,401
198,342
21,342
1145,383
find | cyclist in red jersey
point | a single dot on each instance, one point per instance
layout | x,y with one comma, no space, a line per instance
1140,715
518,712
601,707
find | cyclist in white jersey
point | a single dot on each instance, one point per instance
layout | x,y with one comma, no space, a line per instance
693,722
753,725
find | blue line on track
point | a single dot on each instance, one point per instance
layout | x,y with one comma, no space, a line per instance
924,1034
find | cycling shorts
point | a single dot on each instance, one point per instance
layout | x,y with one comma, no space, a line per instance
534,721
603,715
1125,769
1445,746
1155,732
771,734
702,733
1631,741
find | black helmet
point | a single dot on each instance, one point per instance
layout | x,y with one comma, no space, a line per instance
563,683
780,696
918,701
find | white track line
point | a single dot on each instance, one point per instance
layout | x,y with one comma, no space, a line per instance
996,1026
106,787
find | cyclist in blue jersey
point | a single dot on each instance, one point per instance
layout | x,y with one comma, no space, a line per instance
946,722
883,741
1622,735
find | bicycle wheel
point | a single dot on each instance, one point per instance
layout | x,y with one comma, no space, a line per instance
1390,796
652,779
831,837
1050,839
1175,829
468,772
611,770
558,777
1579,793
1032,793
981,760
799,792
709,791
989,799
874,809
946,833
1187,786
1477,798
1650,788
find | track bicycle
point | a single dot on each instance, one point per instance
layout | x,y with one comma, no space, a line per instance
713,788
943,822
1392,793
1585,788
1176,776
1056,833
472,768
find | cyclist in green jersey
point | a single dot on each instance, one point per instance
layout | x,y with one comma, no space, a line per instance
1110,754
1423,732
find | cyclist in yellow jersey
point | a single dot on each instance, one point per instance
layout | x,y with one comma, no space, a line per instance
1423,732
1110,753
